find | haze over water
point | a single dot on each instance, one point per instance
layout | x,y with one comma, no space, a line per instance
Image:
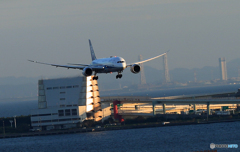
12,108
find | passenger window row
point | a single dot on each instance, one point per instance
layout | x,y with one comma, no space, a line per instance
63,87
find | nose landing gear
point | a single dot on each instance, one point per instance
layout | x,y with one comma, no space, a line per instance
95,78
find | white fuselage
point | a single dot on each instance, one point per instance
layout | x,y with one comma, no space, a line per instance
112,64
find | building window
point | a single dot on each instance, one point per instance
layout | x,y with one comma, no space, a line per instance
69,87
67,112
34,115
62,98
62,92
45,114
55,87
60,113
55,120
44,121
75,86
74,112
64,120
49,88
41,115
34,121
76,118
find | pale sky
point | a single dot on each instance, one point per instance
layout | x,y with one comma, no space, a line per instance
197,32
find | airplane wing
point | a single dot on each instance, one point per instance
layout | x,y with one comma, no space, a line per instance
63,66
78,64
146,60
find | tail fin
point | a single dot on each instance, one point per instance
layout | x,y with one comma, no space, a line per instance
92,51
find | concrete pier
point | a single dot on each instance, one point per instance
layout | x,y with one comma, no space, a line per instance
154,110
164,108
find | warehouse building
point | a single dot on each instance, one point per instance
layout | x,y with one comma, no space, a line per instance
66,103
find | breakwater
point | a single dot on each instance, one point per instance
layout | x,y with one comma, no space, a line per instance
123,127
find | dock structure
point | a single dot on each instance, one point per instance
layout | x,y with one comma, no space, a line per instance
206,102
219,102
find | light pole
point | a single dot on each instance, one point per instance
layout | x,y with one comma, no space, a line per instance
103,113
3,128
41,123
15,122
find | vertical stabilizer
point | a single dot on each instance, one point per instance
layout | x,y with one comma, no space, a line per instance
92,51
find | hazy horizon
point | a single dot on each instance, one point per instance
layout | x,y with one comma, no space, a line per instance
197,33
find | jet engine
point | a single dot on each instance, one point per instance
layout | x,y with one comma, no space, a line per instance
87,71
135,68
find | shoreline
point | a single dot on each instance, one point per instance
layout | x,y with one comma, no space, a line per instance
154,89
80,130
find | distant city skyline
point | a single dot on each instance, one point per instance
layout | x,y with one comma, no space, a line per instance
197,33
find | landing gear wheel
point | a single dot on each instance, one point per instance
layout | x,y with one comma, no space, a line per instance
95,78
118,76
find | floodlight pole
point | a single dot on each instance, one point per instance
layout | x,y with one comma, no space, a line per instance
3,128
15,122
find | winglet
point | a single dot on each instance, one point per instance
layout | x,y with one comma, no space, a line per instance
92,51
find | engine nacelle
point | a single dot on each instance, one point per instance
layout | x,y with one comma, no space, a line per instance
135,68
87,71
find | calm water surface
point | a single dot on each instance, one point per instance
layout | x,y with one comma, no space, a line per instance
162,139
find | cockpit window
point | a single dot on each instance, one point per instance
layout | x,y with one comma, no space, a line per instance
120,61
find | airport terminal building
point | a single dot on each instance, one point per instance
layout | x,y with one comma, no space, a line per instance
66,103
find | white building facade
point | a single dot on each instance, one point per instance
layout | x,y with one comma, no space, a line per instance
66,103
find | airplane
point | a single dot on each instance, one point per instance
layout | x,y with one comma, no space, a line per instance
103,65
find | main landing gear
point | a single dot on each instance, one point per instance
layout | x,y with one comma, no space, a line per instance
95,78
119,76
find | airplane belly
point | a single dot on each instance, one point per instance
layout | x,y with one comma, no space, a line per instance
109,70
